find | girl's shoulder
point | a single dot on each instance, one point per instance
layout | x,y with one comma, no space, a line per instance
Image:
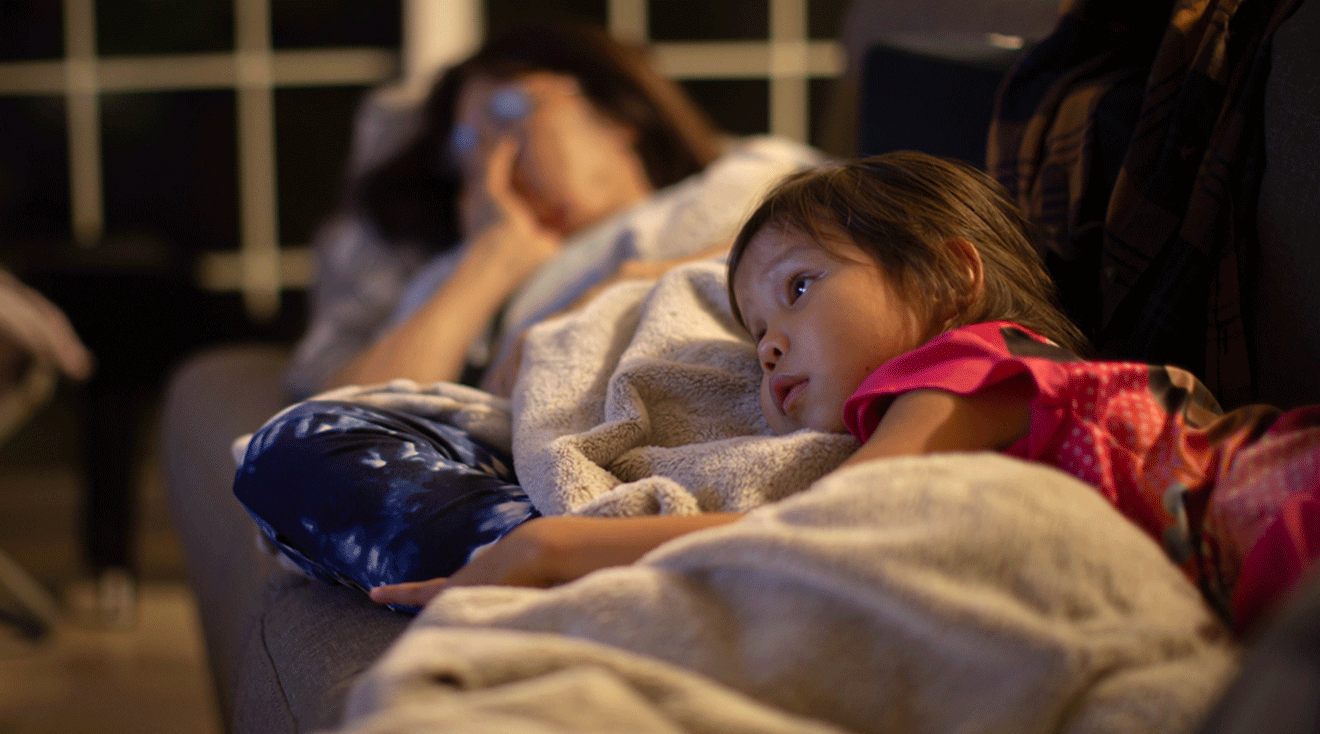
1003,338
969,358
962,361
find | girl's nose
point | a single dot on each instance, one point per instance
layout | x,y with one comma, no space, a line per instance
770,350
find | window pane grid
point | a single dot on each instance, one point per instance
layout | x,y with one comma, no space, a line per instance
788,58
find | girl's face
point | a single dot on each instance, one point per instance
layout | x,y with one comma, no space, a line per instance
574,167
822,322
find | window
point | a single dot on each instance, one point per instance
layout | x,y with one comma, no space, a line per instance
222,126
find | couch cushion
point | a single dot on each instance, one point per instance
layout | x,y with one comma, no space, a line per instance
309,644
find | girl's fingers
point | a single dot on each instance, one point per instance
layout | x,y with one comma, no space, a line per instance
412,593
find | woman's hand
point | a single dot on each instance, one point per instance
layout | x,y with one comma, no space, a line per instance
498,224
505,246
554,550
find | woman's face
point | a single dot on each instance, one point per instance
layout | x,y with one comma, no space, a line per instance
574,166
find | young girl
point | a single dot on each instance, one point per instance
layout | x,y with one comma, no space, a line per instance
899,298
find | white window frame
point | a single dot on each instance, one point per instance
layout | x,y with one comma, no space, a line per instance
435,33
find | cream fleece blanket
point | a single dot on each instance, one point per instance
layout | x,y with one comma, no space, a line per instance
645,402
954,593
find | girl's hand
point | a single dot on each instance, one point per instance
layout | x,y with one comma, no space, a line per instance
409,593
499,225
555,550
930,421
523,557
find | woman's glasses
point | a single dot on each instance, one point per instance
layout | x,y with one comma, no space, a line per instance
507,105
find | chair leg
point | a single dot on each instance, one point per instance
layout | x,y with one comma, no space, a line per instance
112,420
37,609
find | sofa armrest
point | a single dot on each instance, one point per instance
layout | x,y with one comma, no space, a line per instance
212,398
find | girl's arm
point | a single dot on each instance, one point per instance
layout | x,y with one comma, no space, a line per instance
554,550
930,421
506,246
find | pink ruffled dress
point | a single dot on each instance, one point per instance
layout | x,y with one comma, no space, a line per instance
1234,497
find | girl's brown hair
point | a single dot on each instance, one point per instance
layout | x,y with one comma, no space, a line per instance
413,194
901,208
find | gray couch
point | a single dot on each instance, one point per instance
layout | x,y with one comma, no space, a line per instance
284,649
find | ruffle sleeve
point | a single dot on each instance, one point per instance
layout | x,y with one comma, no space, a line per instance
963,361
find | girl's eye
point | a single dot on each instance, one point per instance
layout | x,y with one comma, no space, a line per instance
797,287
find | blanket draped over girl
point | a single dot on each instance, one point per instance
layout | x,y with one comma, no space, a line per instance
967,592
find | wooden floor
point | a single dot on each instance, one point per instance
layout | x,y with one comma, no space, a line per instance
143,672
147,678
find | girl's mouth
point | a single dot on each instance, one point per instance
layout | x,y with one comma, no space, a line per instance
793,392
786,390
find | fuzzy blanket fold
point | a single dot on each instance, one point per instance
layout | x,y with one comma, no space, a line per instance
645,402
954,593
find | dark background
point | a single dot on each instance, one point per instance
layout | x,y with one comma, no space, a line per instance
169,158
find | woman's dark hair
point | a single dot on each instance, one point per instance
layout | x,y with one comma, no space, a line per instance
901,208
413,194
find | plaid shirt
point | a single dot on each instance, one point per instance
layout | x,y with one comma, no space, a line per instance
1132,134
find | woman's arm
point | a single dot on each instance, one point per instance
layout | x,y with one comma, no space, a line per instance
505,247
432,344
930,421
554,550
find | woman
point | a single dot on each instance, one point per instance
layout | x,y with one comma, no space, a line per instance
545,164
542,134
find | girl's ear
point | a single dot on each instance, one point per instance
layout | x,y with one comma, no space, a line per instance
969,261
